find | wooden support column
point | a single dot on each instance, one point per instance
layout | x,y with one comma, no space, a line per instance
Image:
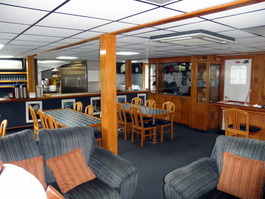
108,92
31,74
128,74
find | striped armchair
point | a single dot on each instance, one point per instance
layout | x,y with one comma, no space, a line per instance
116,178
199,179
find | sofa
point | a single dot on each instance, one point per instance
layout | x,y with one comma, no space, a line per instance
113,178
227,173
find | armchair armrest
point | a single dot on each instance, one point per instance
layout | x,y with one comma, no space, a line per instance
110,168
192,181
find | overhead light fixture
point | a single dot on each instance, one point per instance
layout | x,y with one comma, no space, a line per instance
193,38
66,57
127,53
1,46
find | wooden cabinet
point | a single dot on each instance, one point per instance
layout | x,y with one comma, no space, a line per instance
205,91
182,112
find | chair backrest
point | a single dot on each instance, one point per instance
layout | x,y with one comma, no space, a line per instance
43,119
169,106
137,117
78,106
136,100
51,122
3,128
150,103
89,110
246,148
55,142
234,119
35,119
121,114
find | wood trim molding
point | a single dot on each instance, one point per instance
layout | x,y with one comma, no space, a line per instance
31,74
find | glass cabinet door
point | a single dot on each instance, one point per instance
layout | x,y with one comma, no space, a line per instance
152,78
201,83
214,82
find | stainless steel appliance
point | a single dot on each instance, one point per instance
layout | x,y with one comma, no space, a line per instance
74,77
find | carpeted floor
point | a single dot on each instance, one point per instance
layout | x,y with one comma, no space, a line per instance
155,161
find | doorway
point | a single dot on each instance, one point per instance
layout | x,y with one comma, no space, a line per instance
237,80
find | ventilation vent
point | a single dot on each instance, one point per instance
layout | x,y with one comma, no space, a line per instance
193,38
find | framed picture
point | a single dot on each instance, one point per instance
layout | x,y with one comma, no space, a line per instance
142,96
68,103
95,102
122,98
37,105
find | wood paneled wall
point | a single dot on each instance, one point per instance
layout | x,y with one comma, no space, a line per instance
257,95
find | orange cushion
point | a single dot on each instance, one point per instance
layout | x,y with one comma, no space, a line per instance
52,193
34,166
242,177
70,170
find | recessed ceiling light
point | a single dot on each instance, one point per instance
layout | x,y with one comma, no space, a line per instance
66,57
127,53
1,46
49,61
6,56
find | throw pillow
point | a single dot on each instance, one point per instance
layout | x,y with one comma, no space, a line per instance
34,166
242,177
52,193
70,170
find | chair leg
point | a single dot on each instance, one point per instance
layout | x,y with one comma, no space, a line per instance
154,132
172,131
125,132
161,134
132,138
142,138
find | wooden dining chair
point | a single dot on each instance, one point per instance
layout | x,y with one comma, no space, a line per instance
78,106
124,122
136,101
36,125
43,119
51,122
3,127
237,124
165,123
150,103
139,127
89,110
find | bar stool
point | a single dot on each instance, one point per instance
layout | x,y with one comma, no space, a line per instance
237,124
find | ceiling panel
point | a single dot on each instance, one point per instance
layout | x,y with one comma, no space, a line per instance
53,32
22,15
105,9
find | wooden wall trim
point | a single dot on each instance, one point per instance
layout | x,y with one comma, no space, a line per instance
128,74
31,74
108,92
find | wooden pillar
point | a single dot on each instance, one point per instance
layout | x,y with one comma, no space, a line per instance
108,92
31,74
128,74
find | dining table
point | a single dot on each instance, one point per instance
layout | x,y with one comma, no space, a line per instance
66,117
148,111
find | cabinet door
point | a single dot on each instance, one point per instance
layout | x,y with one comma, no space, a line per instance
201,83
214,82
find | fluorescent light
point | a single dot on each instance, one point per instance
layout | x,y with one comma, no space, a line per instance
127,53
1,46
49,61
66,57
6,56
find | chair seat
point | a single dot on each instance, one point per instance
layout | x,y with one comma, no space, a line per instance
215,194
162,122
243,128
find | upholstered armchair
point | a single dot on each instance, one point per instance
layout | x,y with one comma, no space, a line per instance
115,177
210,177
111,176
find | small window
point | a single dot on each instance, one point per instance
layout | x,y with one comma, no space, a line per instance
238,75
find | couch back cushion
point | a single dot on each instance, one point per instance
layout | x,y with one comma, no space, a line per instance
18,146
55,142
243,147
